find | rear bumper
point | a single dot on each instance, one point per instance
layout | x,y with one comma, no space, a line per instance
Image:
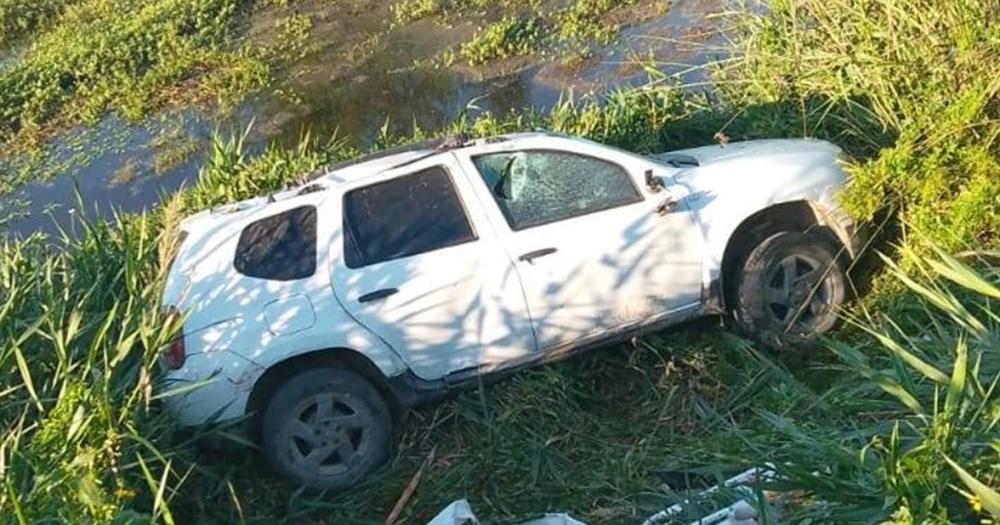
211,387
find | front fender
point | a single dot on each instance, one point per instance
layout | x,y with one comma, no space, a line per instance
729,189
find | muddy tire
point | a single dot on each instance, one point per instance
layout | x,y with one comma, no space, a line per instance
790,289
326,428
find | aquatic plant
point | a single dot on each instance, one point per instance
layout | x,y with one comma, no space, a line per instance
127,58
508,37
585,21
19,18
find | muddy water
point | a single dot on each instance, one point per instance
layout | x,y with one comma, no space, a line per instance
325,95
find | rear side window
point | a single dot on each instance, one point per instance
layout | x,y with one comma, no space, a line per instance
281,247
401,217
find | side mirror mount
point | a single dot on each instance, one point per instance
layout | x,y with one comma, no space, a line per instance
672,199
653,183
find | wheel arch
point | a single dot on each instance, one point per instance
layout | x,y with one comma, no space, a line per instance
804,216
278,373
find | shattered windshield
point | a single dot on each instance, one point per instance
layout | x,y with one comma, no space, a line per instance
538,187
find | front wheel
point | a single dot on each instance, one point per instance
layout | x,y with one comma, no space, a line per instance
326,428
790,289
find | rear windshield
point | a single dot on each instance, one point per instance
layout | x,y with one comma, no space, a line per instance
281,247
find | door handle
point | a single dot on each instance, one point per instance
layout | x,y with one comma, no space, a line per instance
377,294
530,256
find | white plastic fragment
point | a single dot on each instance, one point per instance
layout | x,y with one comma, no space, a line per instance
739,513
554,519
460,513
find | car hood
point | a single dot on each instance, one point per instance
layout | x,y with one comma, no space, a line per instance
752,149
756,173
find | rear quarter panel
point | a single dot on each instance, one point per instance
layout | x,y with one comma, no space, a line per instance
236,327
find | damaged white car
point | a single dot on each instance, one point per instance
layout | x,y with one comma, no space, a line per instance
321,313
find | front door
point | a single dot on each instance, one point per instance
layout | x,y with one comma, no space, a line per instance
593,253
426,274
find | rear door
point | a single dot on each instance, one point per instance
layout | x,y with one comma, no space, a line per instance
425,272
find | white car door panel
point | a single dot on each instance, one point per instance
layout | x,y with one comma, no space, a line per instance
422,273
592,251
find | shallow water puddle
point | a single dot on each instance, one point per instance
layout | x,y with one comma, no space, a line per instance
357,77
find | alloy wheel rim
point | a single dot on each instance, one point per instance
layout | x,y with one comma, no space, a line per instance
327,434
798,293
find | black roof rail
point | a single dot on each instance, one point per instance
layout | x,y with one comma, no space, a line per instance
451,142
436,145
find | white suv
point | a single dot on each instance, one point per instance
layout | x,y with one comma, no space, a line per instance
322,313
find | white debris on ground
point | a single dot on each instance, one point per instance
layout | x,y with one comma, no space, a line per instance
460,513
743,512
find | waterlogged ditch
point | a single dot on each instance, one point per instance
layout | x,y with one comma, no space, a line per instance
355,70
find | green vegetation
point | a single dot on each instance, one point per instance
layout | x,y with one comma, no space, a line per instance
128,58
19,18
508,37
522,28
74,65
585,21
914,86
895,421
405,11
572,29
99,60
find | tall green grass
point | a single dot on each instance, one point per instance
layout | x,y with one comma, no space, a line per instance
510,36
79,328
901,423
898,421
913,87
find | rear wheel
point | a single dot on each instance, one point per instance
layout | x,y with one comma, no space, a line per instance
790,289
326,428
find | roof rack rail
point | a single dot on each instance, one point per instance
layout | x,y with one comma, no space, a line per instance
436,145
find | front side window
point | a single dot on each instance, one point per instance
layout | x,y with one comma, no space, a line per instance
404,216
281,247
538,187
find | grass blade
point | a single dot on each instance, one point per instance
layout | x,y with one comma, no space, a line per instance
989,498
957,384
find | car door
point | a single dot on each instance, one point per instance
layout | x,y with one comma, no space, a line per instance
422,271
593,252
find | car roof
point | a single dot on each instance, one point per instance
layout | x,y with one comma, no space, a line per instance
376,160
399,156
334,175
